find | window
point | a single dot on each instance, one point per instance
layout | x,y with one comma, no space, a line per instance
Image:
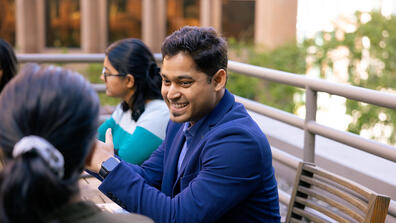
62,23
181,13
125,19
7,21
238,19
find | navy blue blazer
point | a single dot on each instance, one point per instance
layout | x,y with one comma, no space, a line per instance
226,175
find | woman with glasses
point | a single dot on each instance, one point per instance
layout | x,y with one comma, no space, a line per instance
48,119
137,126
8,63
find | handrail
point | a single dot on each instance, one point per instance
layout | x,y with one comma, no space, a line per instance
285,158
350,139
353,140
379,98
99,87
312,85
271,112
61,58
284,197
383,99
366,95
67,58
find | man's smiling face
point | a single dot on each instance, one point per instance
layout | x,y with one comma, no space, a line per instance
190,94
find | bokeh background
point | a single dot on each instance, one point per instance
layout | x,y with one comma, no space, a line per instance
345,41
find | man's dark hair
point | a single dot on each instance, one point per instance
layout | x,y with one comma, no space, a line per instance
207,49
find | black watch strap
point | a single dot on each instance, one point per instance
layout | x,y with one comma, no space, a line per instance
103,173
108,166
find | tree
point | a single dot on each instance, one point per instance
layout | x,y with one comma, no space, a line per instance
368,42
289,58
372,64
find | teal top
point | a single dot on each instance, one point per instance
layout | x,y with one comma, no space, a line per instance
135,141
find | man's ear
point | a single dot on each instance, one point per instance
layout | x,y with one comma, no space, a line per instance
130,81
219,79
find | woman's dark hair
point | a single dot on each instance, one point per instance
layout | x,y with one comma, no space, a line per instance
61,107
207,49
8,63
131,56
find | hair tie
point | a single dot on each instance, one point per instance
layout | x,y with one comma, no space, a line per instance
46,150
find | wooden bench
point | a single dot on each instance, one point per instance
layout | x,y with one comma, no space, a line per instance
89,190
322,196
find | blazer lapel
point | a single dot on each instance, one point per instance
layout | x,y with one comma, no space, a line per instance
170,167
211,120
192,153
192,149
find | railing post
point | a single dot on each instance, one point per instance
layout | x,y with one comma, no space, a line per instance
310,115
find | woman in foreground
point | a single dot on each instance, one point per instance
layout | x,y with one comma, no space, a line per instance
48,124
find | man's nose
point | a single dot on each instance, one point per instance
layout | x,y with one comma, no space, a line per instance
173,92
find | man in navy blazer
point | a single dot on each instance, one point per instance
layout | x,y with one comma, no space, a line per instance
215,164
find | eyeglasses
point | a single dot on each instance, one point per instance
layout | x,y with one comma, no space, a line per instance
105,74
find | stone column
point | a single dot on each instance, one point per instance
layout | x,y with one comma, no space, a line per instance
275,22
205,13
216,14
30,26
210,14
94,30
154,23
161,21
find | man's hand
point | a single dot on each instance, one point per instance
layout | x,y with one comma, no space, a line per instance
108,145
101,152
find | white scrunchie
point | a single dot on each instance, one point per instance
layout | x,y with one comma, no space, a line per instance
45,149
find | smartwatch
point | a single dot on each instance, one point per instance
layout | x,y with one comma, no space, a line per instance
108,166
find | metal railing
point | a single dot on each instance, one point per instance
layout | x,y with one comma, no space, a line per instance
309,124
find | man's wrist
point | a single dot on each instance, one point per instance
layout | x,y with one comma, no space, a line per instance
107,166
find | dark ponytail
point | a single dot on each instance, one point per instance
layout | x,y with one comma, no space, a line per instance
58,107
155,76
132,56
30,190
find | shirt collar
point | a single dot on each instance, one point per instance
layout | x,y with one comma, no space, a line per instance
190,131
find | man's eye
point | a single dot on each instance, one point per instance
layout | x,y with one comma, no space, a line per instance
166,82
185,83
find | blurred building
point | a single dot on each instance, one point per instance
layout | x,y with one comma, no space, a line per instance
34,26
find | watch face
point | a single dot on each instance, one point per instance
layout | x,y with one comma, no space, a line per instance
110,163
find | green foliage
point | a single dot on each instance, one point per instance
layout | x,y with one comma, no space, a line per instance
92,73
372,67
106,100
289,58
243,86
378,59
